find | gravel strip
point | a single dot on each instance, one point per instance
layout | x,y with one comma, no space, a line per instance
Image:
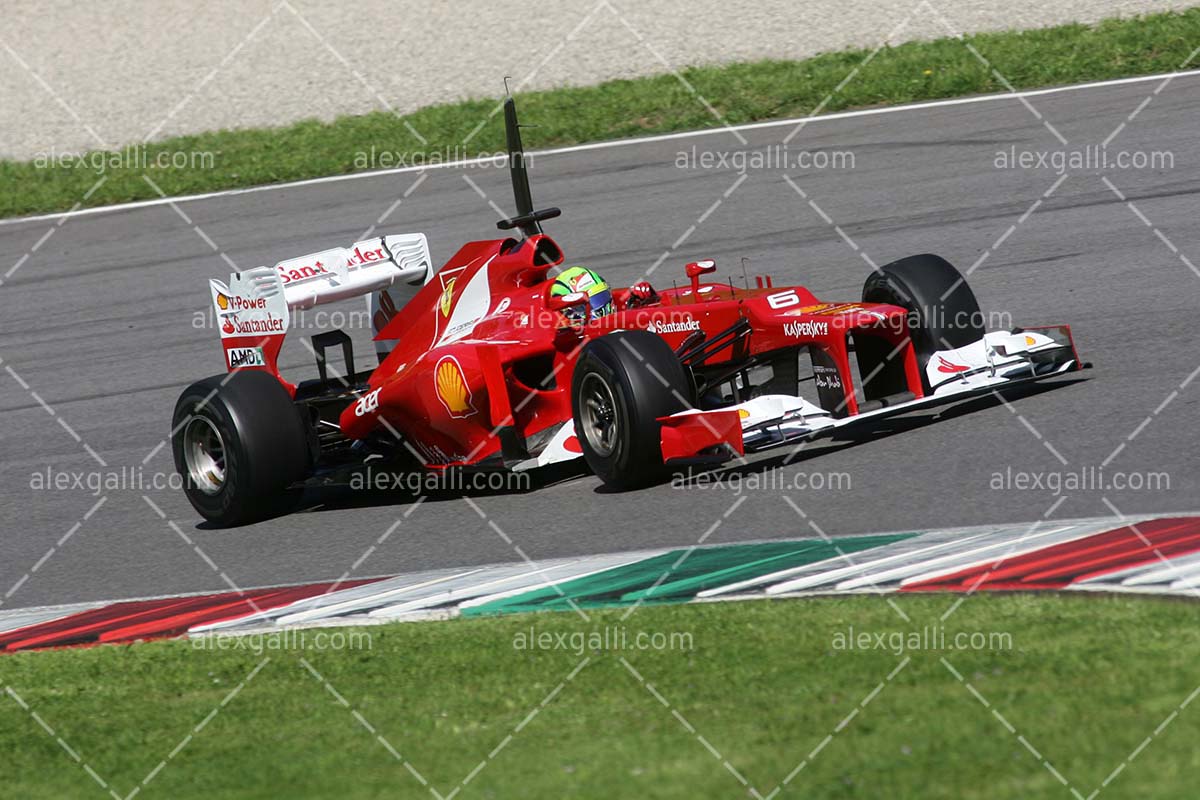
106,75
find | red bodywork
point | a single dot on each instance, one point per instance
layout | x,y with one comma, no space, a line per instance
478,349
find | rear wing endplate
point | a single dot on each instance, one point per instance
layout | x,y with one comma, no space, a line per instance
253,309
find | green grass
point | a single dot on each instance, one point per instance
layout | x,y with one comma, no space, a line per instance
740,92
1085,682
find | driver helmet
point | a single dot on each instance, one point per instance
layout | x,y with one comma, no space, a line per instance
582,279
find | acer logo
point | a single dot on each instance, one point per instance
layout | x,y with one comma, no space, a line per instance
367,403
803,330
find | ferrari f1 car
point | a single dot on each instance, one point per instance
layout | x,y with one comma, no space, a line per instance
484,367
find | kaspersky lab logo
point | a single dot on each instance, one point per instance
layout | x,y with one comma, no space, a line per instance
683,326
803,330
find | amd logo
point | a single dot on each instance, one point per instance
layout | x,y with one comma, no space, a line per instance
245,357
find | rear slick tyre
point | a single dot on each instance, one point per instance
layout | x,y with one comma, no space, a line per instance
239,443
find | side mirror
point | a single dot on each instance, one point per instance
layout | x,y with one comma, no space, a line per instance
695,270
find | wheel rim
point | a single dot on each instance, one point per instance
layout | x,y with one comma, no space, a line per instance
204,453
598,414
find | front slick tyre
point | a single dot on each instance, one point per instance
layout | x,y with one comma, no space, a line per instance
943,311
239,443
623,383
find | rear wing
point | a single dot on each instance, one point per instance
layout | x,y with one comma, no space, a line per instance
360,269
253,309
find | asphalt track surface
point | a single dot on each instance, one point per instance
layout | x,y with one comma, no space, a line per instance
98,323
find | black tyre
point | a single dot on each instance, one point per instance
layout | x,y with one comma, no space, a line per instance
943,311
239,443
622,383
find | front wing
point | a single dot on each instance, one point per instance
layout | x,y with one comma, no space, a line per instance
997,360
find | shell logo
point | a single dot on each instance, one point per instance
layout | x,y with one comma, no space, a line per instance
743,413
222,302
447,297
1030,341
451,385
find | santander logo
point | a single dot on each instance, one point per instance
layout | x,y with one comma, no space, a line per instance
685,325
304,272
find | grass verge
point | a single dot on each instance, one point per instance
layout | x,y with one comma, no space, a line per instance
1084,683
740,93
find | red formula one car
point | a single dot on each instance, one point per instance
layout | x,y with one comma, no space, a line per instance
487,367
